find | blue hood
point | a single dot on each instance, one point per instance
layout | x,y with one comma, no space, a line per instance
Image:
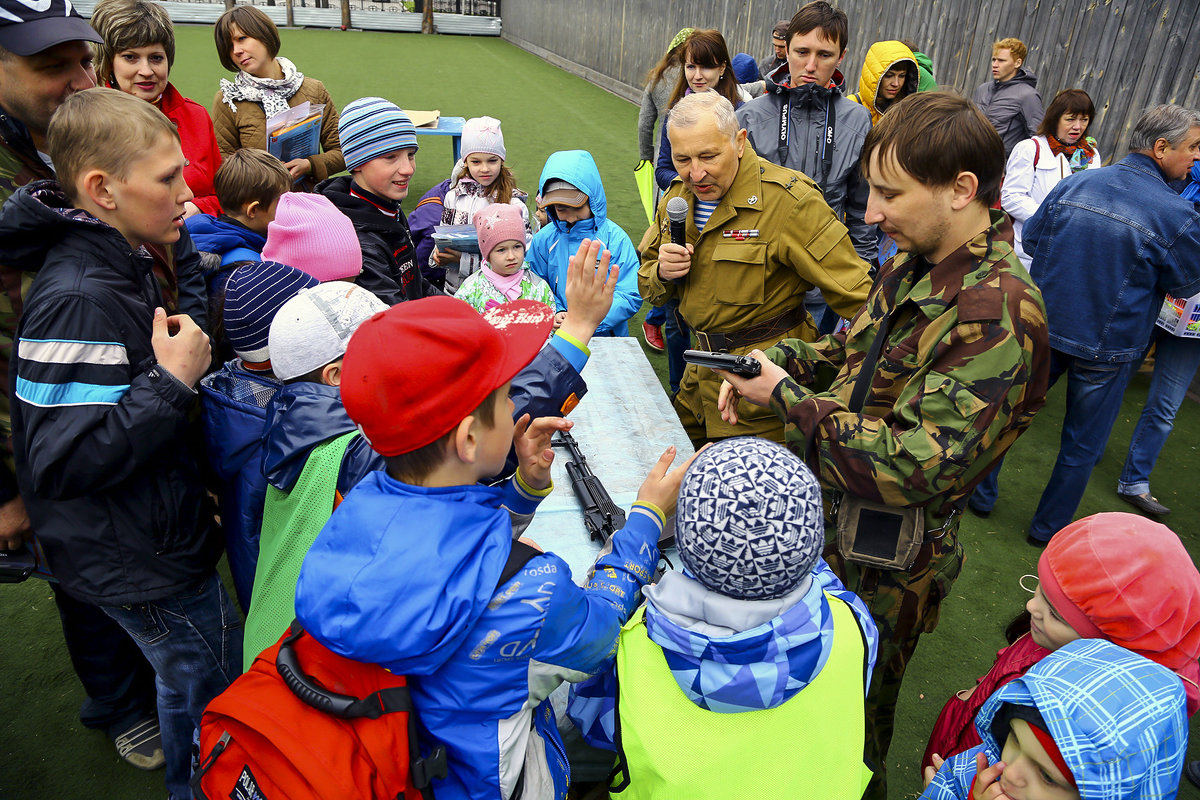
726,660
300,417
404,602
214,235
1118,719
578,168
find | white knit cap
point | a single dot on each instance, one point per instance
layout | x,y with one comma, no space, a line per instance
482,135
312,329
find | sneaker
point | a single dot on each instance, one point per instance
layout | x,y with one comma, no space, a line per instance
141,745
654,337
1146,503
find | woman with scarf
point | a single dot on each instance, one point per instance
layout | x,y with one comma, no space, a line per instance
1035,166
248,44
136,57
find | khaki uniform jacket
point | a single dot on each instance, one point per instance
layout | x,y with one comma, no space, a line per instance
248,128
735,284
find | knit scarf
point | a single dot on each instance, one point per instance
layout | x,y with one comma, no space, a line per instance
507,285
271,94
1079,155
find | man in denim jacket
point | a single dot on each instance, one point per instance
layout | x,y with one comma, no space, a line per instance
1106,244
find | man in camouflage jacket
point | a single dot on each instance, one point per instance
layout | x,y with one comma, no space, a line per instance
963,369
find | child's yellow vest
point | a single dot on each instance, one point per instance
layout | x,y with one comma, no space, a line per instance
809,747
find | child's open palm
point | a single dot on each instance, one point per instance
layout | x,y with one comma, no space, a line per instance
531,440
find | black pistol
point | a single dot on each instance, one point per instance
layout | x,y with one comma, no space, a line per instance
601,515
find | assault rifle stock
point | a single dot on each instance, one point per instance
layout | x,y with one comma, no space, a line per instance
601,516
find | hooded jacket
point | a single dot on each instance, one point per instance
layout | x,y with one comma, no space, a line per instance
1014,107
1117,718
226,237
809,109
708,639
100,431
389,260
882,57
405,577
553,245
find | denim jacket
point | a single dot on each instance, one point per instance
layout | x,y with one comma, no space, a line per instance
1105,245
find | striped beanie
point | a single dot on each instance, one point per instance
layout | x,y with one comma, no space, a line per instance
371,127
253,293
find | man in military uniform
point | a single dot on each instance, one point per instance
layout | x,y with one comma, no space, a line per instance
963,368
758,237
45,56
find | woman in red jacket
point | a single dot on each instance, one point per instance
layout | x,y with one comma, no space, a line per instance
136,57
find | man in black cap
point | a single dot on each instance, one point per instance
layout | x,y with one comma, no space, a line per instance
46,56
778,55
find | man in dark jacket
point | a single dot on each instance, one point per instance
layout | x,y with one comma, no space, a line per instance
1010,100
116,678
804,122
778,56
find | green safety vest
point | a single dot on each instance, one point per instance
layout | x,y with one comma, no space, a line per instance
809,747
291,522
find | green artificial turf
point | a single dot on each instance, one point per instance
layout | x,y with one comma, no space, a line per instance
45,753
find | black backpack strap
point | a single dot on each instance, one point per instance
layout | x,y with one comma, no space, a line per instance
518,557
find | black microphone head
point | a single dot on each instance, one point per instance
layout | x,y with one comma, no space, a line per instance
677,209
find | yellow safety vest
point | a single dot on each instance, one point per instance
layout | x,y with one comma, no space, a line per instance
809,747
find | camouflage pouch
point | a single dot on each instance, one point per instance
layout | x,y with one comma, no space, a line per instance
879,536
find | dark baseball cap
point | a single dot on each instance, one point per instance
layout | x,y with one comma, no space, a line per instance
28,26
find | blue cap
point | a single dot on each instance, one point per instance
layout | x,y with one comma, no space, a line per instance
253,295
371,127
745,68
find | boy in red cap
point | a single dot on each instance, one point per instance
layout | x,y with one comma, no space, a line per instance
405,573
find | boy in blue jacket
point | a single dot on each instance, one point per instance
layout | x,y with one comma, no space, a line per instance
404,574
1090,721
573,197
234,402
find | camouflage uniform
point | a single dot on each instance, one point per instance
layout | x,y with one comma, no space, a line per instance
964,369
739,286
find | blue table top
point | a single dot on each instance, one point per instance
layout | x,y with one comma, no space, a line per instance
447,126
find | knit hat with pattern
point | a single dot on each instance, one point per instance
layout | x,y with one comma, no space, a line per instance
499,222
253,294
371,127
482,135
749,519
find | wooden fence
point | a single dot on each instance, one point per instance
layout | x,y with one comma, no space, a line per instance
1126,54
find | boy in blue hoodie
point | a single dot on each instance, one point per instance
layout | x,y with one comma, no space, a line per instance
234,401
405,573
573,197
1090,721
248,185
756,622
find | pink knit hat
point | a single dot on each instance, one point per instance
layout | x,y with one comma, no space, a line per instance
1129,580
498,223
310,234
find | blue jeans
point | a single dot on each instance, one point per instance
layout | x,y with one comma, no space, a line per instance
1094,392
657,315
194,642
116,678
1175,364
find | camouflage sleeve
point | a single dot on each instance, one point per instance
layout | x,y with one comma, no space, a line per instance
943,429
812,364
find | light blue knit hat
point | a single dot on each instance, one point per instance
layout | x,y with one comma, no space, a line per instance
371,127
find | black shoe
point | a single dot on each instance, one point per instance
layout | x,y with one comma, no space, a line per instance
1038,543
1192,771
982,513
1146,503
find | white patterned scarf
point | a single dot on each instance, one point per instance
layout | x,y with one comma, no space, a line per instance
271,94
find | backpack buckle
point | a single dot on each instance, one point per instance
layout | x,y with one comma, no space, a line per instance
422,771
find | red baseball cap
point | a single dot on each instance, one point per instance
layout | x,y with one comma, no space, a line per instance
413,372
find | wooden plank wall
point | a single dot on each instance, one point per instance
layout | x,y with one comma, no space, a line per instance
1127,54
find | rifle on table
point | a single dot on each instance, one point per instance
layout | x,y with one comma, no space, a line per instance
601,515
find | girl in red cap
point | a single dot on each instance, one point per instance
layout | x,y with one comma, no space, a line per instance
1114,576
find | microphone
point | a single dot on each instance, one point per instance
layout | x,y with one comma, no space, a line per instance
677,209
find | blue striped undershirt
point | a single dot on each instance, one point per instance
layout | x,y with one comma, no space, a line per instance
703,211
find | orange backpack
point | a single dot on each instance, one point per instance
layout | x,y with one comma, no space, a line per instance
307,724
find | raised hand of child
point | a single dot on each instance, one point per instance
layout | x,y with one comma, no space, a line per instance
180,347
589,290
661,487
987,779
531,440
